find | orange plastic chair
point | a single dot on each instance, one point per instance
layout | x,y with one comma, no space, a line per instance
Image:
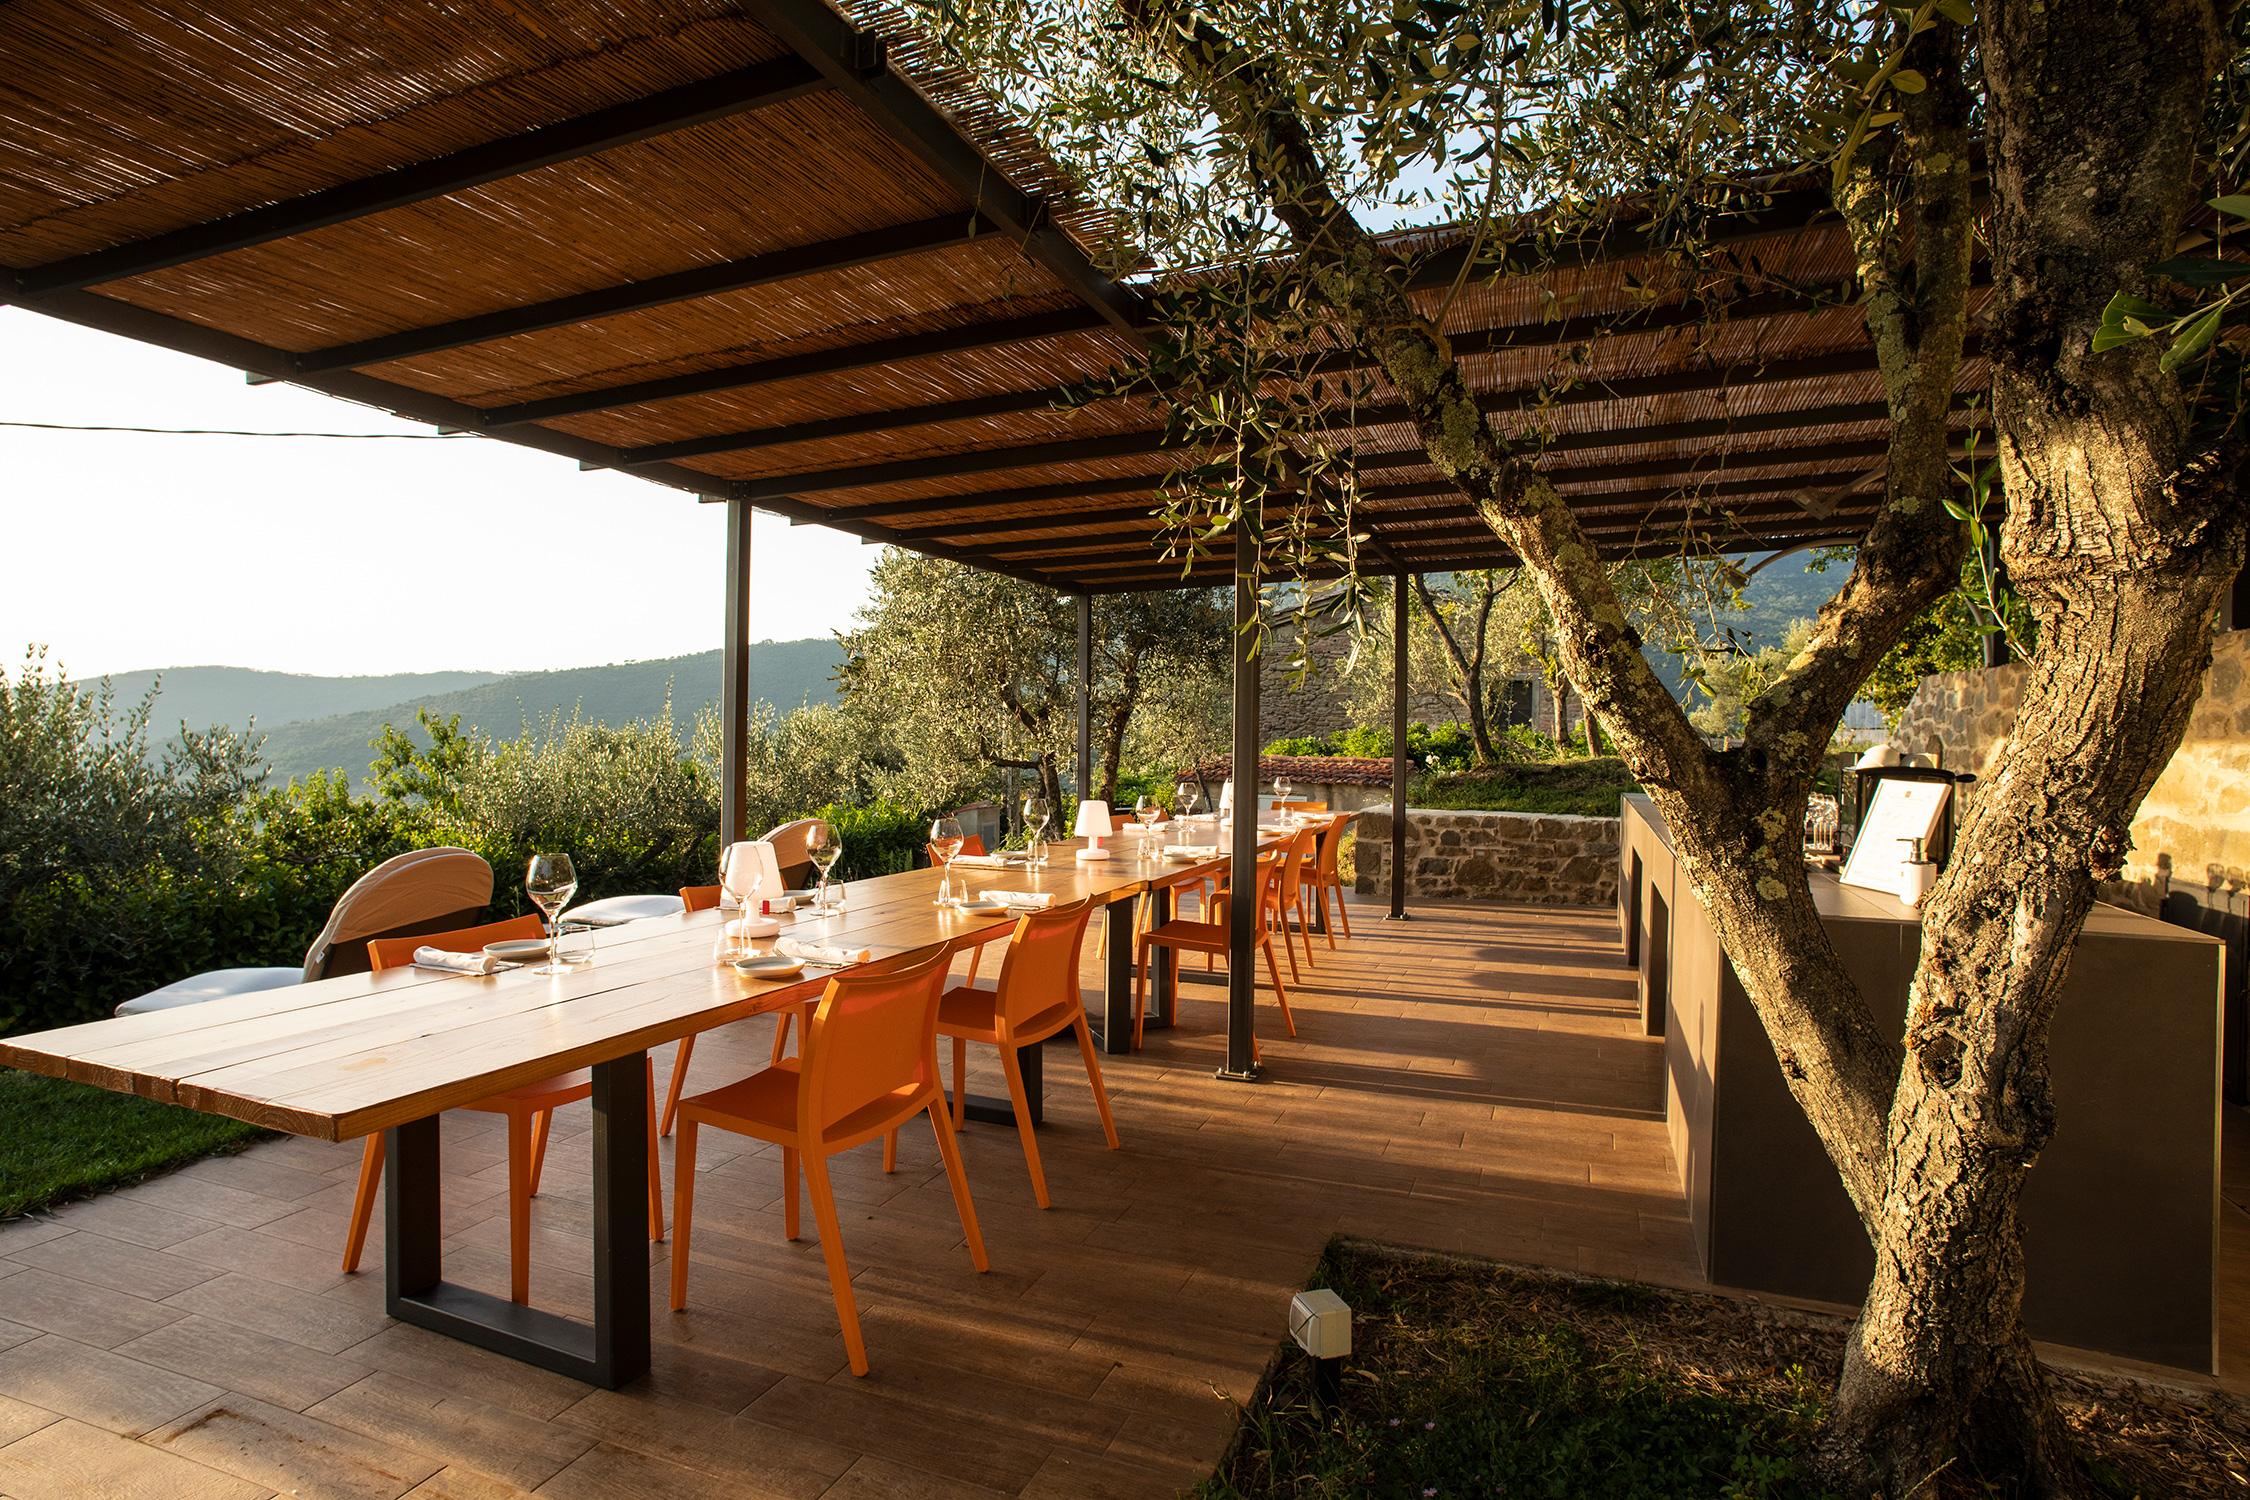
692,898
1301,807
869,1064
1211,938
1297,865
529,1109
1325,879
1037,998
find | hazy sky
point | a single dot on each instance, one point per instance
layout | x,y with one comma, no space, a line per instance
123,550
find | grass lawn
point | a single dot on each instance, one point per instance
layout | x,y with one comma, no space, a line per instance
61,1140
1469,1378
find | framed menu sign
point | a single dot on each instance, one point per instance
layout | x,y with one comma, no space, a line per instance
1900,812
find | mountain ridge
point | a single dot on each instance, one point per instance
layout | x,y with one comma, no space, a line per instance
313,723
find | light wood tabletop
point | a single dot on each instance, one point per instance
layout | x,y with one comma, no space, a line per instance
341,1058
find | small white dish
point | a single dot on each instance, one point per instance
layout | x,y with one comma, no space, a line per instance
517,950
770,966
981,908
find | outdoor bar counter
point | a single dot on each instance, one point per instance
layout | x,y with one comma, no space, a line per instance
2120,1215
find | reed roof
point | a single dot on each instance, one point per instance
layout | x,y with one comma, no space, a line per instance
760,250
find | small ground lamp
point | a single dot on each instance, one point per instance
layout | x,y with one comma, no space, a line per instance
1093,826
1321,1324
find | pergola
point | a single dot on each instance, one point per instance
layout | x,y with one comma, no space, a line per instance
785,259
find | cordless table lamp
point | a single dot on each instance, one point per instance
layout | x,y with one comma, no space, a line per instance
1093,825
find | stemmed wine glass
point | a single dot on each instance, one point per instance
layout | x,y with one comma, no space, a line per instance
945,843
1280,796
1036,816
550,881
1185,796
824,845
1146,810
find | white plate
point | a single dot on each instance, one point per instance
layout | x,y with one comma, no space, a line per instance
517,950
982,908
770,966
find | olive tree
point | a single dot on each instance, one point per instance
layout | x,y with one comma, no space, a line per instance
2072,138
964,670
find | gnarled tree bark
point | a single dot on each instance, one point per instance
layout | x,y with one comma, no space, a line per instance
2121,531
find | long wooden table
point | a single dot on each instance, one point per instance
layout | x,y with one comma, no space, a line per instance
342,1058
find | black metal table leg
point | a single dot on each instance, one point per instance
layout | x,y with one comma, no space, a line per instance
1163,964
611,1351
1115,1028
999,1111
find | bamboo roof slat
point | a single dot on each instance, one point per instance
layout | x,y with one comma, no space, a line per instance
418,214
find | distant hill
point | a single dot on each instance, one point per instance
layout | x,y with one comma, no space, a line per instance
347,711
203,696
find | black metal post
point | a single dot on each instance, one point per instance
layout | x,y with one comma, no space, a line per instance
1242,978
734,709
1163,964
1085,761
1117,977
1399,686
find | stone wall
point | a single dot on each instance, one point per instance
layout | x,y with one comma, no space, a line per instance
2192,836
1542,859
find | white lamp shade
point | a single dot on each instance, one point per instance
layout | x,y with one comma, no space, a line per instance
747,869
1093,820
1226,796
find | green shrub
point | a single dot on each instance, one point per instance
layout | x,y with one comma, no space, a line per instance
882,838
1440,747
1589,788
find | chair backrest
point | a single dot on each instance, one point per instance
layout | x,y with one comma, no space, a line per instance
416,893
398,952
1041,964
1332,839
700,897
1265,878
1297,862
873,1034
788,842
1300,807
971,843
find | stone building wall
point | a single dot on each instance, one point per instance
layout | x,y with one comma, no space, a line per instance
2192,836
1541,859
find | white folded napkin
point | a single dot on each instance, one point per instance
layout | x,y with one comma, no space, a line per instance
1020,900
981,861
827,955
1196,851
455,963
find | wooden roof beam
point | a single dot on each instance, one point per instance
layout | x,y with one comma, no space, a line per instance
732,93
842,254
1559,334
851,61
1026,329
1153,441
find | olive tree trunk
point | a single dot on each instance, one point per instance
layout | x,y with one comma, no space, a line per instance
2122,532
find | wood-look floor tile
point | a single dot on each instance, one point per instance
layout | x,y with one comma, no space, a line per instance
96,1386
70,1460
460,1431
80,1310
291,1452
243,1359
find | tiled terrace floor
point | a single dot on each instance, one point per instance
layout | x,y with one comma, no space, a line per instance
1472,1081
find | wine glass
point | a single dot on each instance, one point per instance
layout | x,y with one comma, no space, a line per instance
1146,810
824,845
1037,815
945,843
550,881
1281,795
1185,796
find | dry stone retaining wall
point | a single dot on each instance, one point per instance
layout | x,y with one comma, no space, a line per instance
1543,859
